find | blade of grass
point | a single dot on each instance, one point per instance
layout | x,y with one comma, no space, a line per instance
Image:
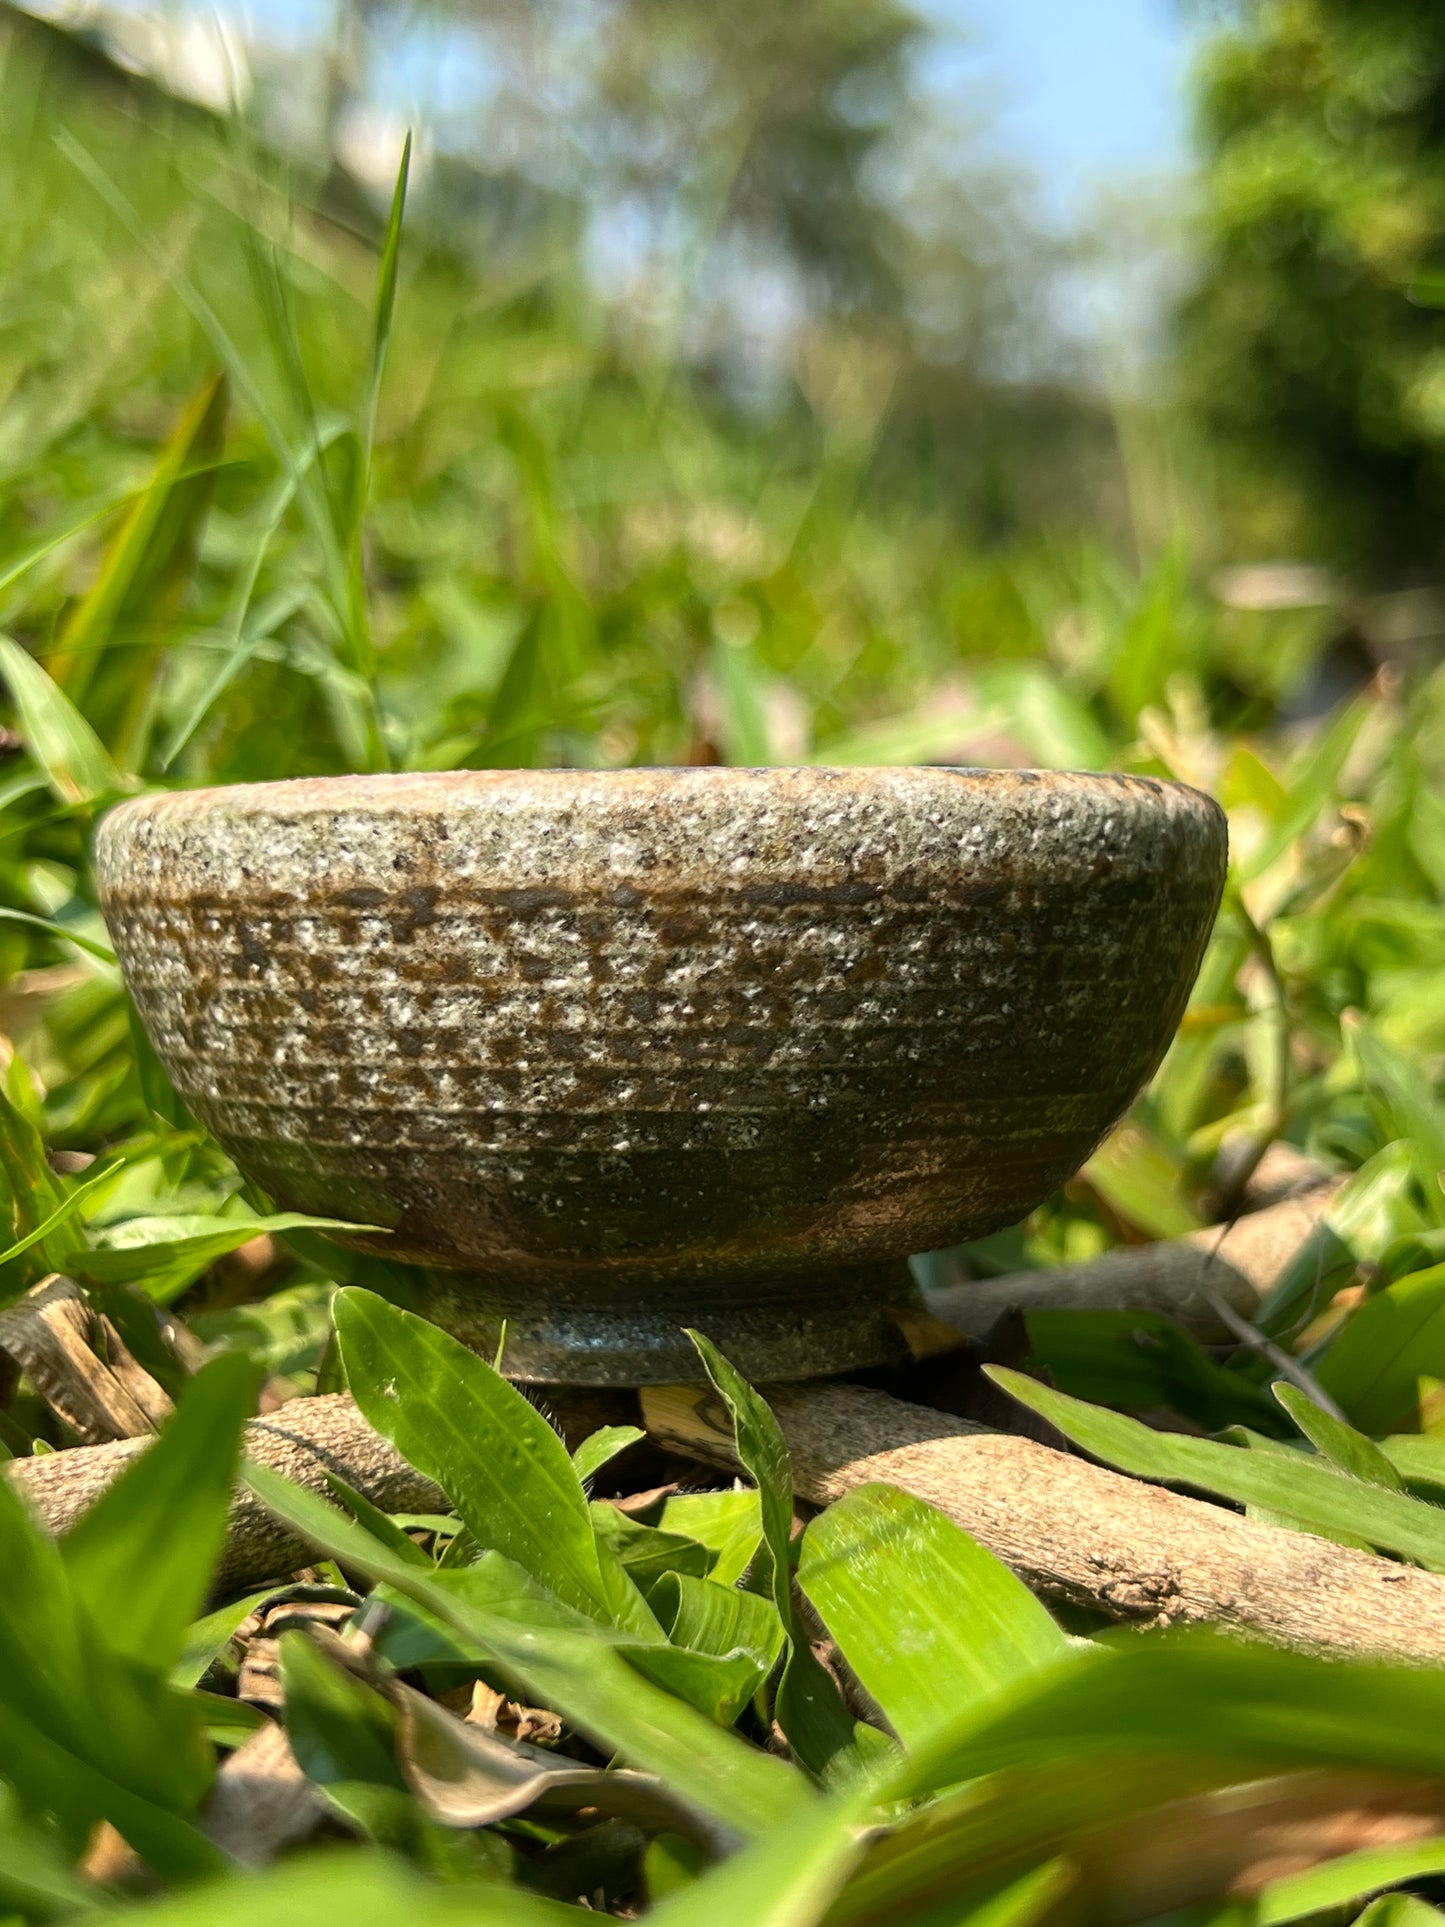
1322,1499
577,1673
1341,1444
77,764
929,1621
140,1559
62,1214
101,952
810,1708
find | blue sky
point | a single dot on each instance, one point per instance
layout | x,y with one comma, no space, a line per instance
1082,91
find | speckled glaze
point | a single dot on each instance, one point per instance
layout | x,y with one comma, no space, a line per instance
612,1053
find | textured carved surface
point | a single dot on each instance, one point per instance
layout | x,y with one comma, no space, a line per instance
643,1035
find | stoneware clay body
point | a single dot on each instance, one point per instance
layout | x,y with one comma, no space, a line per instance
609,1054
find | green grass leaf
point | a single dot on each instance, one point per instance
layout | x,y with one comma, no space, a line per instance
101,952
343,1735
579,1673
143,575
76,763
1139,1359
1374,1366
490,1450
164,1255
729,1524
1400,1910
1122,1729
36,1880
84,1732
140,1560
379,1524
1322,1499
207,1638
1341,1444
360,1889
1410,1102
646,1552
785,1879
1342,1882
62,1214
602,1447
738,1632
809,1707
36,1196
932,1625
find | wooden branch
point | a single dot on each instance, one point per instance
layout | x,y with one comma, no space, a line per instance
1072,1530
1236,1263
305,1440
1075,1531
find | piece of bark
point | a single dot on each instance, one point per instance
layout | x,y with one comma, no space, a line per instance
261,1801
305,1440
78,1363
1236,1263
1073,1530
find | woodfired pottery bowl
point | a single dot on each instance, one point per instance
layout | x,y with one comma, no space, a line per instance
615,1053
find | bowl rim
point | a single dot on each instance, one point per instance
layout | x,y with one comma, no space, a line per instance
388,792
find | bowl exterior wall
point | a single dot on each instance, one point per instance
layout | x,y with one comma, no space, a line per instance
593,1031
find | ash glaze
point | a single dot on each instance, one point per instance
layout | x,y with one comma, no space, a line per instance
637,1049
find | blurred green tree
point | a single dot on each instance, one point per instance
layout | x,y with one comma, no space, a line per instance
1311,342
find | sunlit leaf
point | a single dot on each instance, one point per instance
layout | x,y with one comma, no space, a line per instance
580,1675
76,763
931,1623
494,1455
1321,1498
810,1708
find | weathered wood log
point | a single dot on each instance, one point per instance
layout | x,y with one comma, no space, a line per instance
1180,1277
305,1440
1072,1530
1075,1531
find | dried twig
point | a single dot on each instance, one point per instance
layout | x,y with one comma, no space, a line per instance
1288,1368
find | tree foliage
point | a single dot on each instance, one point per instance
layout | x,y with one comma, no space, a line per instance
1312,342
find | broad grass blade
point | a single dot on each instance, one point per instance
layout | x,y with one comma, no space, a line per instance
810,1708
1350,1451
497,1459
577,1673
602,1447
139,1561
148,560
76,763
1322,1499
932,1624
1390,1343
